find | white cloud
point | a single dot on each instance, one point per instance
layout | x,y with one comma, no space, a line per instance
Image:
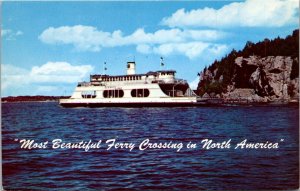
86,38
5,32
251,13
13,77
37,79
89,38
18,33
191,50
82,37
9,34
59,72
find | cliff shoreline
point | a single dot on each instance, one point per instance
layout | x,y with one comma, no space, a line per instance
265,72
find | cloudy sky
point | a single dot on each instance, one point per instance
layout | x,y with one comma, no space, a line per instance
47,47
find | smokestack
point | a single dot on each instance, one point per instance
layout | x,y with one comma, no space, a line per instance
130,68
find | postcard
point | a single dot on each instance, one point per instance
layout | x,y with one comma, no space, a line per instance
150,95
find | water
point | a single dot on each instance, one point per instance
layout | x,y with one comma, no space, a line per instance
158,169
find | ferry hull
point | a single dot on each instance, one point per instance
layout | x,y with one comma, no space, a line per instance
150,104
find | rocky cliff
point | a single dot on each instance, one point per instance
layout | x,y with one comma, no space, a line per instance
258,79
255,78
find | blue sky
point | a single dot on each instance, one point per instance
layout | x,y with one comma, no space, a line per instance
47,47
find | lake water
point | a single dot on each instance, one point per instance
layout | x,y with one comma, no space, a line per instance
157,169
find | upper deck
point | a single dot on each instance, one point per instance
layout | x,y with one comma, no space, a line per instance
161,77
158,75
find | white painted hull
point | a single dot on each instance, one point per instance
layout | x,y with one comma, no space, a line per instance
156,98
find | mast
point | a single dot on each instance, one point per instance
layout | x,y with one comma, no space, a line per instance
104,68
162,62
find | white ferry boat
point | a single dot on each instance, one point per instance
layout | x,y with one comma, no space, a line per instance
159,88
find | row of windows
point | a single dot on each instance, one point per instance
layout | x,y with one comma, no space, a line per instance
124,78
113,93
118,93
140,93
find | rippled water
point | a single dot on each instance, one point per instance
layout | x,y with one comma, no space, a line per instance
188,169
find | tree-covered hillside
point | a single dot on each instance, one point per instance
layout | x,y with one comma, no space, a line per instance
224,72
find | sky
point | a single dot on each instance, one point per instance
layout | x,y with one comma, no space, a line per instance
47,47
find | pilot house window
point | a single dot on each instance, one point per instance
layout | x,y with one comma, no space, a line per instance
88,94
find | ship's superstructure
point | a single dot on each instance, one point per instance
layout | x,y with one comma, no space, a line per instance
159,88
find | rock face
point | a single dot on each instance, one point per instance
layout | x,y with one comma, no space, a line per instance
259,79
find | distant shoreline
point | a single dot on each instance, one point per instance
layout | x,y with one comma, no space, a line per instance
29,101
37,98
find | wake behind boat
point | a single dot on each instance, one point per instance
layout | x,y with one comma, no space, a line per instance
159,88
